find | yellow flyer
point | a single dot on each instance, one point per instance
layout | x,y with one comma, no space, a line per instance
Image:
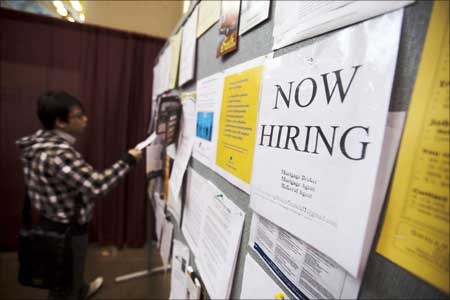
166,178
237,126
415,233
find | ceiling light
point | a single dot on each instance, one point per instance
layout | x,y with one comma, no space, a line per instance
58,4
76,5
62,11
70,19
82,17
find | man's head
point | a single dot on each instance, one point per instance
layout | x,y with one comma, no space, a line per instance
59,110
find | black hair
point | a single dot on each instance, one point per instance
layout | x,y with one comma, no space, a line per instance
54,105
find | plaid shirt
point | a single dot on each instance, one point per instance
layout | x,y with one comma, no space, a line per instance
55,173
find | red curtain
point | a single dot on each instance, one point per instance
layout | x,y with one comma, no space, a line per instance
110,71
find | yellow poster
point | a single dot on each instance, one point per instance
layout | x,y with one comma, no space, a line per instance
237,127
166,178
415,233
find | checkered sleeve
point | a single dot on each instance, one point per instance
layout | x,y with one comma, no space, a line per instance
73,170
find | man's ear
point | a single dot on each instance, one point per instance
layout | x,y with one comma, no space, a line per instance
59,124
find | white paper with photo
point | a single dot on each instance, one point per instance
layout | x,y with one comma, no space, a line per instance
252,13
323,176
183,154
220,236
209,96
194,209
166,243
298,20
178,276
306,272
188,47
256,284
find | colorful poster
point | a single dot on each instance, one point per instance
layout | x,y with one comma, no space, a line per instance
209,93
237,127
415,233
322,120
228,28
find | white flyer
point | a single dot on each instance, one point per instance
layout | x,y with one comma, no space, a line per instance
220,236
194,289
209,96
252,13
298,20
320,134
153,160
183,154
209,13
194,209
188,47
156,81
160,217
178,276
272,242
147,142
256,284
166,243
306,272
175,46
166,61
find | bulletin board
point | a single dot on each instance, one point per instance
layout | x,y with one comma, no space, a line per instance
382,278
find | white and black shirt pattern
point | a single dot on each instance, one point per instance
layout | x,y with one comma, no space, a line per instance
55,174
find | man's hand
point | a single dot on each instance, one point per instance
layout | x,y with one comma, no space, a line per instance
136,153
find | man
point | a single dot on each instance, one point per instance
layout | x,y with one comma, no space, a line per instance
61,185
